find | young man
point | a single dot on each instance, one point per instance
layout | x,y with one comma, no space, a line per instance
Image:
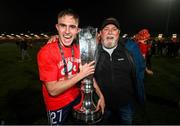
116,73
59,64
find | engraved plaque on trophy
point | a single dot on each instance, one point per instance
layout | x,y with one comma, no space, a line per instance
86,112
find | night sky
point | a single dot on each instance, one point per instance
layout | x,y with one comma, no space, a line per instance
133,15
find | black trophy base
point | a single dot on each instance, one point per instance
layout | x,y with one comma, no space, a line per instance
90,118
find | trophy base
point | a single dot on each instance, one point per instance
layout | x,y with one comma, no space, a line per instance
90,118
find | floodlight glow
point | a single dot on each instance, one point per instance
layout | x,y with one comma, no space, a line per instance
174,35
166,0
124,36
27,36
9,36
37,36
46,36
19,36
160,36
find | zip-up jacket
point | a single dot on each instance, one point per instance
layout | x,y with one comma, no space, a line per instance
116,76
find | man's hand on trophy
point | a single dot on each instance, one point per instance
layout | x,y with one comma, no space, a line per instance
101,104
53,39
87,69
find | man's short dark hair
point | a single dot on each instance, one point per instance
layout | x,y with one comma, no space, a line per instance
69,12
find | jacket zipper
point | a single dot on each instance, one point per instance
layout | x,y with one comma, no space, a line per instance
112,73
111,58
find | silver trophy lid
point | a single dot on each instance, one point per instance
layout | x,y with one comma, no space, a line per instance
88,44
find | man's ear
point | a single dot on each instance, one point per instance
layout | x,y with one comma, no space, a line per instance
100,32
57,26
79,29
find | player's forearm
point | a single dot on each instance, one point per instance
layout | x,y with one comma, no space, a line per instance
57,87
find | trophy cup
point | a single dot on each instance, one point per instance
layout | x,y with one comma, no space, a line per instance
86,112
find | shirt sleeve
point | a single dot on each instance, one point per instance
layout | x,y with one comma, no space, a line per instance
48,69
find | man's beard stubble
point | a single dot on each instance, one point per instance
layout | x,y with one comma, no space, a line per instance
108,44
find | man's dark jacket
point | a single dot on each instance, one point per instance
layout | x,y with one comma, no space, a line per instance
118,75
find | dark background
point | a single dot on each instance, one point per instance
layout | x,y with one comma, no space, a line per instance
159,16
21,100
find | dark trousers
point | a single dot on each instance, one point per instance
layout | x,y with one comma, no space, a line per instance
60,116
122,115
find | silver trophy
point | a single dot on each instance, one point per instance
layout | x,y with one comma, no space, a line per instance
86,112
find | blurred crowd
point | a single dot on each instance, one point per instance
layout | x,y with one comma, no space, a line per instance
165,47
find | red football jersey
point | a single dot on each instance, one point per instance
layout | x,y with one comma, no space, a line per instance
51,68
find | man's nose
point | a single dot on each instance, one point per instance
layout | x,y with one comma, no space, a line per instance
110,31
67,29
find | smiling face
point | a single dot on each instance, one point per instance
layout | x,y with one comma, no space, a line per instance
109,36
67,28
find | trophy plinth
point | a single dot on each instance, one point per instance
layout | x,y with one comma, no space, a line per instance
90,118
87,112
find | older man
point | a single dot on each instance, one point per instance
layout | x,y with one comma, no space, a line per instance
116,72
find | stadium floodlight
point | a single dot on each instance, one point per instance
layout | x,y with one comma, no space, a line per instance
37,36
160,36
124,36
174,35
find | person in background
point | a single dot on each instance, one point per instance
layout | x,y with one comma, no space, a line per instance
60,70
116,74
142,39
24,49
